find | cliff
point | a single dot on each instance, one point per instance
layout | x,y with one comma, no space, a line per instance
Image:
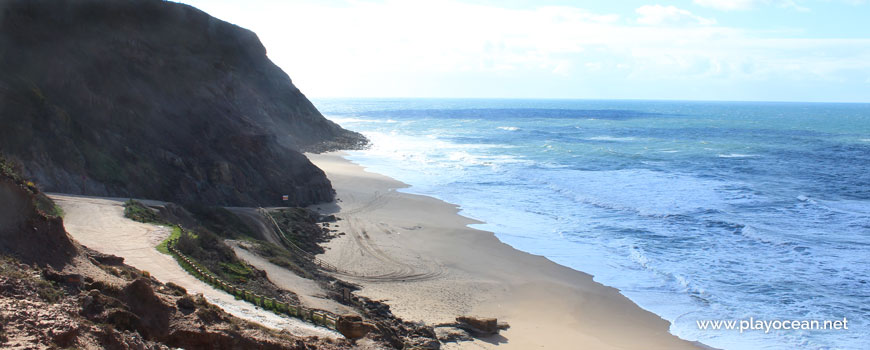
153,99
55,293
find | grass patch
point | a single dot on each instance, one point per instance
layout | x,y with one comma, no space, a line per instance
46,290
237,273
281,257
163,247
49,291
135,210
47,206
300,227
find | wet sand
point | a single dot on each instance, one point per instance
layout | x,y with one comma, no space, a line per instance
417,254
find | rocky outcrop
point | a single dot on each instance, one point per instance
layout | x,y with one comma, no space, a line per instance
467,327
153,312
353,326
155,99
56,294
478,325
27,231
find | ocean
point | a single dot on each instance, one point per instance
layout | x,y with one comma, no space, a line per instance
693,210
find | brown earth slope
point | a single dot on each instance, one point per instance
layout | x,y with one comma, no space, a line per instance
56,294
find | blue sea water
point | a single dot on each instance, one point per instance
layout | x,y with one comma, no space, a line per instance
694,210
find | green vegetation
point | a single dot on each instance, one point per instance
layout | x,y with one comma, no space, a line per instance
281,257
6,168
209,250
220,221
46,290
42,203
300,227
135,210
46,205
163,246
271,304
237,273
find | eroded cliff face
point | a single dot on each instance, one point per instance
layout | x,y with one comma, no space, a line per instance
55,293
27,231
153,99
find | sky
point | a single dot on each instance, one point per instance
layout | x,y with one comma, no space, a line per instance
733,50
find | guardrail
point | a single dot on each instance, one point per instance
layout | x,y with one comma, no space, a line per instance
317,317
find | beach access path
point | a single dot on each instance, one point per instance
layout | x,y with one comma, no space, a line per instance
99,224
419,256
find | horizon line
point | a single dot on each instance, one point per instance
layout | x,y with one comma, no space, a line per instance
578,99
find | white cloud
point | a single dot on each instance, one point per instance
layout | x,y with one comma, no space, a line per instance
658,14
740,5
407,48
791,4
727,5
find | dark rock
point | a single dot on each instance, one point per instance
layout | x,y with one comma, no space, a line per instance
26,232
176,289
64,336
388,334
123,319
155,99
106,259
425,331
95,302
353,327
153,312
186,303
422,343
74,280
478,325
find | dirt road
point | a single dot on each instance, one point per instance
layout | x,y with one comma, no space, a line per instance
99,224
310,293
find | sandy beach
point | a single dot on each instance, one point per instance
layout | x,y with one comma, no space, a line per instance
417,254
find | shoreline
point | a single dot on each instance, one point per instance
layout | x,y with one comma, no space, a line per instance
419,255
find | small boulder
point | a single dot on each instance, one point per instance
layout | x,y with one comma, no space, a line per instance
65,334
106,259
123,320
353,327
142,301
478,325
185,303
176,289
74,280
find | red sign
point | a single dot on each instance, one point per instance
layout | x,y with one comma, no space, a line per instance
285,197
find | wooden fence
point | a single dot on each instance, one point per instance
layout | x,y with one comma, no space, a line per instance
317,317
322,264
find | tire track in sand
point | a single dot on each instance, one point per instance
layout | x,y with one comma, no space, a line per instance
367,248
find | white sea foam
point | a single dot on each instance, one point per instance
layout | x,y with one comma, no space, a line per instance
508,128
351,120
737,155
673,241
611,138
643,191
